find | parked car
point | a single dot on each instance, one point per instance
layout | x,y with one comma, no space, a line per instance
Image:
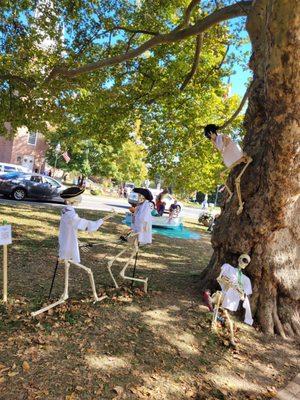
20,185
5,167
129,186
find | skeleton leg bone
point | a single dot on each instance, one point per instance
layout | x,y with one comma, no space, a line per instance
247,159
133,254
63,297
110,264
216,300
91,277
65,294
230,325
222,176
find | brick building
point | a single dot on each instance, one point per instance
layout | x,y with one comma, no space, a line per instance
27,149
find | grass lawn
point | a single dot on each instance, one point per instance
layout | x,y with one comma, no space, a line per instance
131,345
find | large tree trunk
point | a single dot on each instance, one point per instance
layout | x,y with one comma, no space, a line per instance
269,227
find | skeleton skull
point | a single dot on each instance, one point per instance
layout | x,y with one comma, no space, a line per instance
141,198
74,201
244,260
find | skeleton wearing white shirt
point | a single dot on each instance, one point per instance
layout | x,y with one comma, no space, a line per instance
68,253
232,156
236,287
140,235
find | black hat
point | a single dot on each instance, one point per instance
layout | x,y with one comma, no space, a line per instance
71,192
145,192
209,129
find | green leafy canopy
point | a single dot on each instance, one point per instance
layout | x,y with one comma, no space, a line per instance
98,110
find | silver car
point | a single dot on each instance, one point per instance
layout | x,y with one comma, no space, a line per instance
20,185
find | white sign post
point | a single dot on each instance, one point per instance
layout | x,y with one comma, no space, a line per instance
5,240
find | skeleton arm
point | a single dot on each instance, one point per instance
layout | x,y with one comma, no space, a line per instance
88,225
228,284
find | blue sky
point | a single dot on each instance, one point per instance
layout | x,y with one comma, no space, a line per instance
241,76
239,80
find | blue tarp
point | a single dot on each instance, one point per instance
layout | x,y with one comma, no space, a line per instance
179,233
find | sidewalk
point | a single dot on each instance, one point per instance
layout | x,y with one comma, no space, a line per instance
291,391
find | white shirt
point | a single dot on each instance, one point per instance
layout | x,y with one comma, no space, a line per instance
142,222
70,222
230,153
231,297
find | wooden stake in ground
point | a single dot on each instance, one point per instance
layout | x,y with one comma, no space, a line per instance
5,240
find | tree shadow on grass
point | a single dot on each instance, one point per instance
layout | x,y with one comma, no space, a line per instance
156,346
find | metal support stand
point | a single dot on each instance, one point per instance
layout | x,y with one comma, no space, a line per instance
53,278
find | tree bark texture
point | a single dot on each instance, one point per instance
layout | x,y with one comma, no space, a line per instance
269,227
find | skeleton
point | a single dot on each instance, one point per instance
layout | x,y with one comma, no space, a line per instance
69,246
232,282
232,156
140,235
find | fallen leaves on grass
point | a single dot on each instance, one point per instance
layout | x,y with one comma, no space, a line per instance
26,366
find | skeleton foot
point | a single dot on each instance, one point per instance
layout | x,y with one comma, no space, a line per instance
146,285
240,209
100,298
64,297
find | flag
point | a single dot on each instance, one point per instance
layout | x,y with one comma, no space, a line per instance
66,157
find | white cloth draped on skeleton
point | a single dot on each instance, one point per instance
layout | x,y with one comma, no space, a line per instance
142,223
68,252
69,224
232,298
230,153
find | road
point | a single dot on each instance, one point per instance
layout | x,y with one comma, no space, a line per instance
100,203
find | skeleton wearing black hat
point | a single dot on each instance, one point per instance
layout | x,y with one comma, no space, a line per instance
70,223
140,234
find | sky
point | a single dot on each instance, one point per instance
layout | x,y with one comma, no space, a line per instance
239,80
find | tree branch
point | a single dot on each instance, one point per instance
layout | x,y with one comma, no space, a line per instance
130,40
132,30
188,12
236,10
29,82
239,109
189,77
216,67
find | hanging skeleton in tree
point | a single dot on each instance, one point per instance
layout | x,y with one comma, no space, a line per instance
69,254
232,156
236,287
140,235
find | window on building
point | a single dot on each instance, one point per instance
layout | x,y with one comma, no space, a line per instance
32,138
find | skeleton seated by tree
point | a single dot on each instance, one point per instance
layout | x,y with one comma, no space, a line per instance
139,235
68,253
232,156
236,287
